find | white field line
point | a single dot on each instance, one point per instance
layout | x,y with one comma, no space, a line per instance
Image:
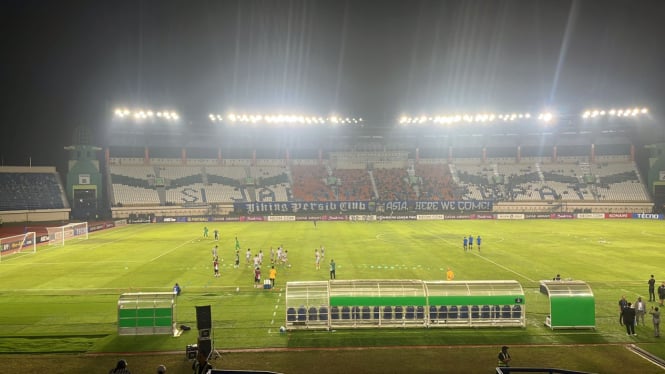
172,249
495,263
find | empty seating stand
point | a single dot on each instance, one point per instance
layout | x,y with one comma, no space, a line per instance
30,191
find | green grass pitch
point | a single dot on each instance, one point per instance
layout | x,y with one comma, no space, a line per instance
64,299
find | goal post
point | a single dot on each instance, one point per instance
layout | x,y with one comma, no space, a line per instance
60,234
24,243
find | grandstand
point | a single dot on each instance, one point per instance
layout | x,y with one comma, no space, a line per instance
609,183
566,169
32,194
569,180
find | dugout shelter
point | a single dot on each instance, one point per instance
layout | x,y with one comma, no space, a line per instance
146,313
476,303
572,304
403,303
307,305
377,303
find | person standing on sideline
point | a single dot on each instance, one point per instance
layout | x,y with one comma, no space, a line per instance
628,316
640,311
655,314
201,365
504,357
332,269
272,275
120,368
622,305
661,293
450,275
652,288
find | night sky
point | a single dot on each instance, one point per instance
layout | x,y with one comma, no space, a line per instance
69,63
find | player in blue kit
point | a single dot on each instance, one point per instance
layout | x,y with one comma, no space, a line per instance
470,242
466,243
478,242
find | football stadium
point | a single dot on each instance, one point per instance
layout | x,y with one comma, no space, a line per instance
542,241
487,238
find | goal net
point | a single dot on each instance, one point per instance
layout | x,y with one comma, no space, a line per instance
24,243
59,235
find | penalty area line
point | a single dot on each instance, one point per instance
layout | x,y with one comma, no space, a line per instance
172,249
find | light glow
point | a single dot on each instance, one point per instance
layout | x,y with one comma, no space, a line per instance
280,119
143,115
613,112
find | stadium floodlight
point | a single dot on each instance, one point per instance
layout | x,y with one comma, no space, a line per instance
546,117
613,112
449,119
142,114
280,119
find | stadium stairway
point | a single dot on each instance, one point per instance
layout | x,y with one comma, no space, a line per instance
161,192
251,192
373,182
204,175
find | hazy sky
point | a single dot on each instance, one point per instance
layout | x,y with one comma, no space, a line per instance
68,63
